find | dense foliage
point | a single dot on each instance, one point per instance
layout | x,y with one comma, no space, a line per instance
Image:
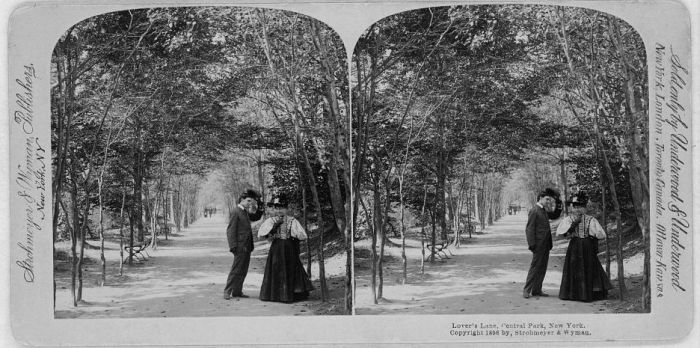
148,104
452,103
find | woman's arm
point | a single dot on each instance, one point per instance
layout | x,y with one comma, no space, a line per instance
297,231
564,226
596,230
266,227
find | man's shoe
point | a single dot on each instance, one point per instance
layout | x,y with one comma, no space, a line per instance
239,295
541,294
526,294
227,296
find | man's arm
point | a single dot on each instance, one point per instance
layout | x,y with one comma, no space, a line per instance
530,229
232,231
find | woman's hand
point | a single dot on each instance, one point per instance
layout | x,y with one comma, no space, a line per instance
577,219
278,222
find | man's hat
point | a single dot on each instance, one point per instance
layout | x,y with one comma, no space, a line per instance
548,192
249,193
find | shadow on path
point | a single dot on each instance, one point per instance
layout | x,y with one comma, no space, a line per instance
486,275
184,277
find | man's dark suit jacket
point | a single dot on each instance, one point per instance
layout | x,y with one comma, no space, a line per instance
239,232
537,230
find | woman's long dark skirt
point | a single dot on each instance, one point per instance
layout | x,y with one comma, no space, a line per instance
285,279
583,277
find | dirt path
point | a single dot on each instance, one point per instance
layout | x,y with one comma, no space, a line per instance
485,276
185,277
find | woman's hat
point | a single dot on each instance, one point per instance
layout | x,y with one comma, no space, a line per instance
278,202
578,199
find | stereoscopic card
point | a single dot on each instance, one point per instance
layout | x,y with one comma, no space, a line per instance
350,173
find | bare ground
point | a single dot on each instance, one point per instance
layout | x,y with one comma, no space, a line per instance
185,277
485,275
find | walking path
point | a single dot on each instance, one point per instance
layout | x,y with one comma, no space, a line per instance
485,276
184,277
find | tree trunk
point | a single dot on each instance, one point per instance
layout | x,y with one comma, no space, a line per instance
470,203
481,203
422,229
153,213
606,164
497,201
103,262
433,236
404,262
177,209
171,205
605,229
261,174
337,121
604,207
618,220
132,218
74,238
302,185
64,73
440,194
121,233
449,205
317,204
82,231
637,147
167,204
377,212
378,237
564,181
382,240
138,184
489,203
620,262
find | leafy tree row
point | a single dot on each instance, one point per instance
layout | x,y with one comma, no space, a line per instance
146,103
450,101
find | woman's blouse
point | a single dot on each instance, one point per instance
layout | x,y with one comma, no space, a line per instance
282,227
588,226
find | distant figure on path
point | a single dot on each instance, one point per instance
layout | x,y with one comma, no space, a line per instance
539,241
240,241
285,279
583,277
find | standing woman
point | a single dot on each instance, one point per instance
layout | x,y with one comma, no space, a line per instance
285,279
583,277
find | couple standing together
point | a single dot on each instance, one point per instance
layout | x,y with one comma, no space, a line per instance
583,277
285,279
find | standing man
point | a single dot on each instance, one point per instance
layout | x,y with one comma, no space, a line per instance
539,241
240,241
